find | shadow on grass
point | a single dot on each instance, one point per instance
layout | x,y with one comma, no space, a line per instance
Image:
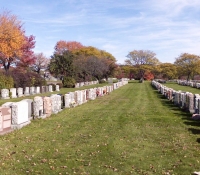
193,123
198,140
182,112
194,131
185,115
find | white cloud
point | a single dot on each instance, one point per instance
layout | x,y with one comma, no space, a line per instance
167,27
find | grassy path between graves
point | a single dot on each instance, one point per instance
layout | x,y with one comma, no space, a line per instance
134,130
177,87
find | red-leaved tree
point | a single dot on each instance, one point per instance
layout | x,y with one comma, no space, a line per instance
148,75
28,58
62,46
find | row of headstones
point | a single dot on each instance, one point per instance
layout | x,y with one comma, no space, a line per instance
188,83
15,115
19,92
87,83
185,100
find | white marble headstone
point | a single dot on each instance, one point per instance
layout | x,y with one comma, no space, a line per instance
26,91
30,108
13,92
50,88
67,100
38,109
57,88
56,103
19,114
5,94
32,90
37,90
20,92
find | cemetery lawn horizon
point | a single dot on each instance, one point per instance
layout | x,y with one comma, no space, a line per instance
177,87
133,130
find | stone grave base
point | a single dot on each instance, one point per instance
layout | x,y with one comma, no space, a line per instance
30,118
5,97
6,130
42,116
19,126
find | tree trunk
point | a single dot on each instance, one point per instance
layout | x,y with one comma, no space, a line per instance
188,77
6,66
142,75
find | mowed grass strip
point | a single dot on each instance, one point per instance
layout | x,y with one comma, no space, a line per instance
177,87
134,130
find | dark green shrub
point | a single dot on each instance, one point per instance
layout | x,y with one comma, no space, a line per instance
102,81
69,82
115,81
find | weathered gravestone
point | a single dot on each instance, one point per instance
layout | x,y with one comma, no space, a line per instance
37,90
56,103
57,88
47,88
20,92
199,106
50,88
47,106
196,103
110,80
82,84
27,91
77,85
87,94
72,96
32,90
94,94
30,108
80,97
19,114
62,101
5,94
67,100
114,86
43,89
84,96
191,103
38,108
176,95
13,92
76,97
5,119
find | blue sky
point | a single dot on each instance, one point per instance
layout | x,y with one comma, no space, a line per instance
166,27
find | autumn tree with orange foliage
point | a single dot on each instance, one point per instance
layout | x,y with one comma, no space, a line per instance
11,39
62,46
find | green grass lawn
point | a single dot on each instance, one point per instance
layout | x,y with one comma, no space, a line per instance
134,130
177,87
